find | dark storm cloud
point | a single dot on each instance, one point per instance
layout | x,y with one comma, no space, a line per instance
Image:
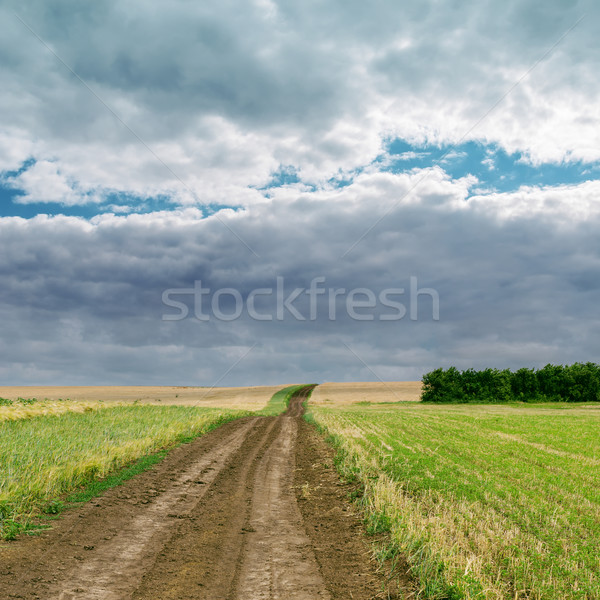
81,302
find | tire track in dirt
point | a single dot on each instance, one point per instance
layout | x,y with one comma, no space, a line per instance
218,519
102,549
279,562
117,566
246,538
202,557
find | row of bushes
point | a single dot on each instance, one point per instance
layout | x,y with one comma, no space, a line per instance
553,383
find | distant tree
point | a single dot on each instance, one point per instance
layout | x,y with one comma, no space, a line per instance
524,385
442,386
553,383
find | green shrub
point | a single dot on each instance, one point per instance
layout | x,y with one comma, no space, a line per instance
27,401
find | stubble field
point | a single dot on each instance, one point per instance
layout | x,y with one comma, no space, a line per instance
236,398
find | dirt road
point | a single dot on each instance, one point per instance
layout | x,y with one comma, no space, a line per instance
252,510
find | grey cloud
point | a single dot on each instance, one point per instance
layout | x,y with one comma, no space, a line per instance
82,303
183,60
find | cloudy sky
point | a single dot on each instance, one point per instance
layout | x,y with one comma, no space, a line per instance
148,150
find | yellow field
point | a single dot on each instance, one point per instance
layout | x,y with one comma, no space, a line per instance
242,398
350,393
45,407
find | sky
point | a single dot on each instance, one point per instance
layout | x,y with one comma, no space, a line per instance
266,192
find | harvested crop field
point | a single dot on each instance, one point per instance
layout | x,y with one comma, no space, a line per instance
236,398
340,394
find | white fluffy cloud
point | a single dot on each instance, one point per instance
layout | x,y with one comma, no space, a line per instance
225,93
565,204
44,182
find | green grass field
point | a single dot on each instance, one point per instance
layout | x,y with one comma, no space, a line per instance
42,457
485,501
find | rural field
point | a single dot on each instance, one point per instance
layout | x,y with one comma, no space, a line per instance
406,500
242,398
482,501
250,507
342,394
70,436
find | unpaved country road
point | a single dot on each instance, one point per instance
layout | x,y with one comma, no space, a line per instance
252,510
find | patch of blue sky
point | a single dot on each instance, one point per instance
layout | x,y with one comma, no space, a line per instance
211,209
344,178
285,175
496,169
113,202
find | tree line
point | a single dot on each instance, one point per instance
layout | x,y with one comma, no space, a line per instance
578,382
